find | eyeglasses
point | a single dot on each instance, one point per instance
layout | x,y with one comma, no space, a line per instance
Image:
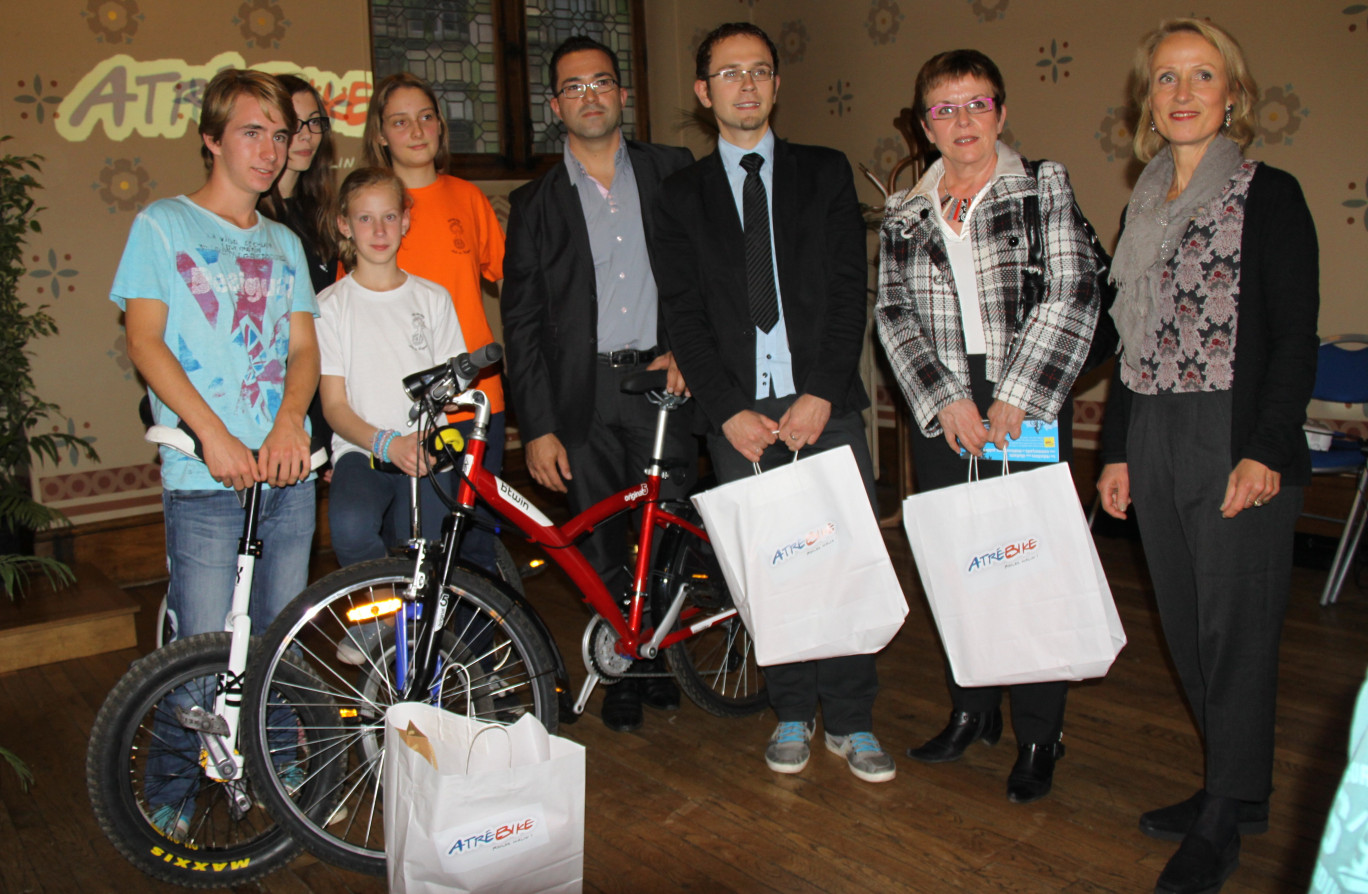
317,124
947,110
578,91
737,75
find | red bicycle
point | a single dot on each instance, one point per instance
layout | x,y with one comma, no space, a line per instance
459,637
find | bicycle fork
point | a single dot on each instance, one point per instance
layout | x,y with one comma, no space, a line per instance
218,732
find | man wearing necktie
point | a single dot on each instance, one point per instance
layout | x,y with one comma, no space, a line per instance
763,281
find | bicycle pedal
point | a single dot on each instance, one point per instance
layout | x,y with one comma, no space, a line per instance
201,721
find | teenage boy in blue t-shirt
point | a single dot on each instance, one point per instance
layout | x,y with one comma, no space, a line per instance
220,313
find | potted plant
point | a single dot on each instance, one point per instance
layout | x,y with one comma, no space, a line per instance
21,409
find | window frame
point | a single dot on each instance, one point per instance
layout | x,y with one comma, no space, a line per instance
515,159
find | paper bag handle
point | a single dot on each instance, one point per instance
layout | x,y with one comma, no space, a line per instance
475,738
756,466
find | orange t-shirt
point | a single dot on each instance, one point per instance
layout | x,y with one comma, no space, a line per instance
454,239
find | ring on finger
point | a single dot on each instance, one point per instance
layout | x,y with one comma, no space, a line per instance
1258,502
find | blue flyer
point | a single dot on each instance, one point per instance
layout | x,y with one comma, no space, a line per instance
1039,443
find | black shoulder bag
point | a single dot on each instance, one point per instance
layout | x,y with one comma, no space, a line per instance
1104,338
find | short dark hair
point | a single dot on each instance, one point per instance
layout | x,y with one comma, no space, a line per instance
577,44
950,66
704,60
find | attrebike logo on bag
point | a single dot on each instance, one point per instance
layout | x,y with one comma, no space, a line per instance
806,544
493,838
1010,554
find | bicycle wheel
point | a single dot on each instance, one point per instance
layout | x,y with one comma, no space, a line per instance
150,793
716,668
494,664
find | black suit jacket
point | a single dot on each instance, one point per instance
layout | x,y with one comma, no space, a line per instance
819,243
550,300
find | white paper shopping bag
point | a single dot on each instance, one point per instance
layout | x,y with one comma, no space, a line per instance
806,563
1013,579
483,808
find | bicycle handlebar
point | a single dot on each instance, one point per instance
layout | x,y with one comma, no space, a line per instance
182,441
445,380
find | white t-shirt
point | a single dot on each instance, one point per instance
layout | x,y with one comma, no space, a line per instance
374,339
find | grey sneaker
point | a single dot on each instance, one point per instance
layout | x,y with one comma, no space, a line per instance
788,750
862,751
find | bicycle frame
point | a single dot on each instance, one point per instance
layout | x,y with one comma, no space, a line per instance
559,542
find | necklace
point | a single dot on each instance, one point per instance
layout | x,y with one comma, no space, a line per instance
953,209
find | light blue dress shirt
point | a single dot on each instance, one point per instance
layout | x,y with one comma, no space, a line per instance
773,360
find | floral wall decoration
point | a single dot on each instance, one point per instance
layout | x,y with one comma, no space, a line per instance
885,18
1355,204
112,21
124,185
118,352
1115,135
39,97
1278,114
793,41
1356,11
262,23
989,10
50,276
1055,60
839,98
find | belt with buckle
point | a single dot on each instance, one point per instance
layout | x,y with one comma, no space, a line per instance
629,357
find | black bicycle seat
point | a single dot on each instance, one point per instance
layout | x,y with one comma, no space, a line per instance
644,381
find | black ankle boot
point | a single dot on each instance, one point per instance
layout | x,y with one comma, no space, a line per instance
963,730
622,706
1210,851
1032,776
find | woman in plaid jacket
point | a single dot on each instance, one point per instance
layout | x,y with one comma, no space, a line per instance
952,284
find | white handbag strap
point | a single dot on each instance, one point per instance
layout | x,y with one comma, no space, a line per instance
973,463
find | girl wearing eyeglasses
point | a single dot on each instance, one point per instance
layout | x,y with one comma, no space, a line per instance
953,272
454,239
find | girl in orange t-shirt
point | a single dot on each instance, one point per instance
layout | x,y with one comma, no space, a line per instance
454,238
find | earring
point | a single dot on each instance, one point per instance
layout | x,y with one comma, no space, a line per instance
1153,129
1229,110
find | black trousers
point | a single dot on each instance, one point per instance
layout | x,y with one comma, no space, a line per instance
1221,583
615,456
843,687
1037,708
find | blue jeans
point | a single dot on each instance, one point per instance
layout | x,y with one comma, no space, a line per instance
202,532
360,498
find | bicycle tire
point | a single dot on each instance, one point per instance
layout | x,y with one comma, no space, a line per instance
131,761
506,569
716,668
490,650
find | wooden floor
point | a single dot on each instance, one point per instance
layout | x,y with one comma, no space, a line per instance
686,803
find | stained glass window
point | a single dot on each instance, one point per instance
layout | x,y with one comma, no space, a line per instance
493,110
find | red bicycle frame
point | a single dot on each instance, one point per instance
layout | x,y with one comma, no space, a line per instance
559,541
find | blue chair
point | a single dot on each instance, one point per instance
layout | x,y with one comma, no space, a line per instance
1342,377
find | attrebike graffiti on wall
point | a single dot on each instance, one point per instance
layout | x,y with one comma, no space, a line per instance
161,97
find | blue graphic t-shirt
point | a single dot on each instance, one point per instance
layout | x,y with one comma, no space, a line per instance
229,294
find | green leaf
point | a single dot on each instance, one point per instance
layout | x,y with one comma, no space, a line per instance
1355,9
20,768
1355,203
1064,60
1044,63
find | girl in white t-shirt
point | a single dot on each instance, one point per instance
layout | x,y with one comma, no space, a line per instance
377,325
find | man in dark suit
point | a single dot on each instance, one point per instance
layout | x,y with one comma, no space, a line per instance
581,313
772,357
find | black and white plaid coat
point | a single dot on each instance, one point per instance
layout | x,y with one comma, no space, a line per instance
918,309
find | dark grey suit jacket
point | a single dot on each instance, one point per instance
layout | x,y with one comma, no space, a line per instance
550,300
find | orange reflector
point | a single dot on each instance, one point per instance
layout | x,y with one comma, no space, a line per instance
347,713
372,610
536,563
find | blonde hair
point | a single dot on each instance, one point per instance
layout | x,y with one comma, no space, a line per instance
1148,142
357,180
378,154
222,94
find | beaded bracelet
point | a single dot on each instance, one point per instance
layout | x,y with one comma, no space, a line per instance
381,442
